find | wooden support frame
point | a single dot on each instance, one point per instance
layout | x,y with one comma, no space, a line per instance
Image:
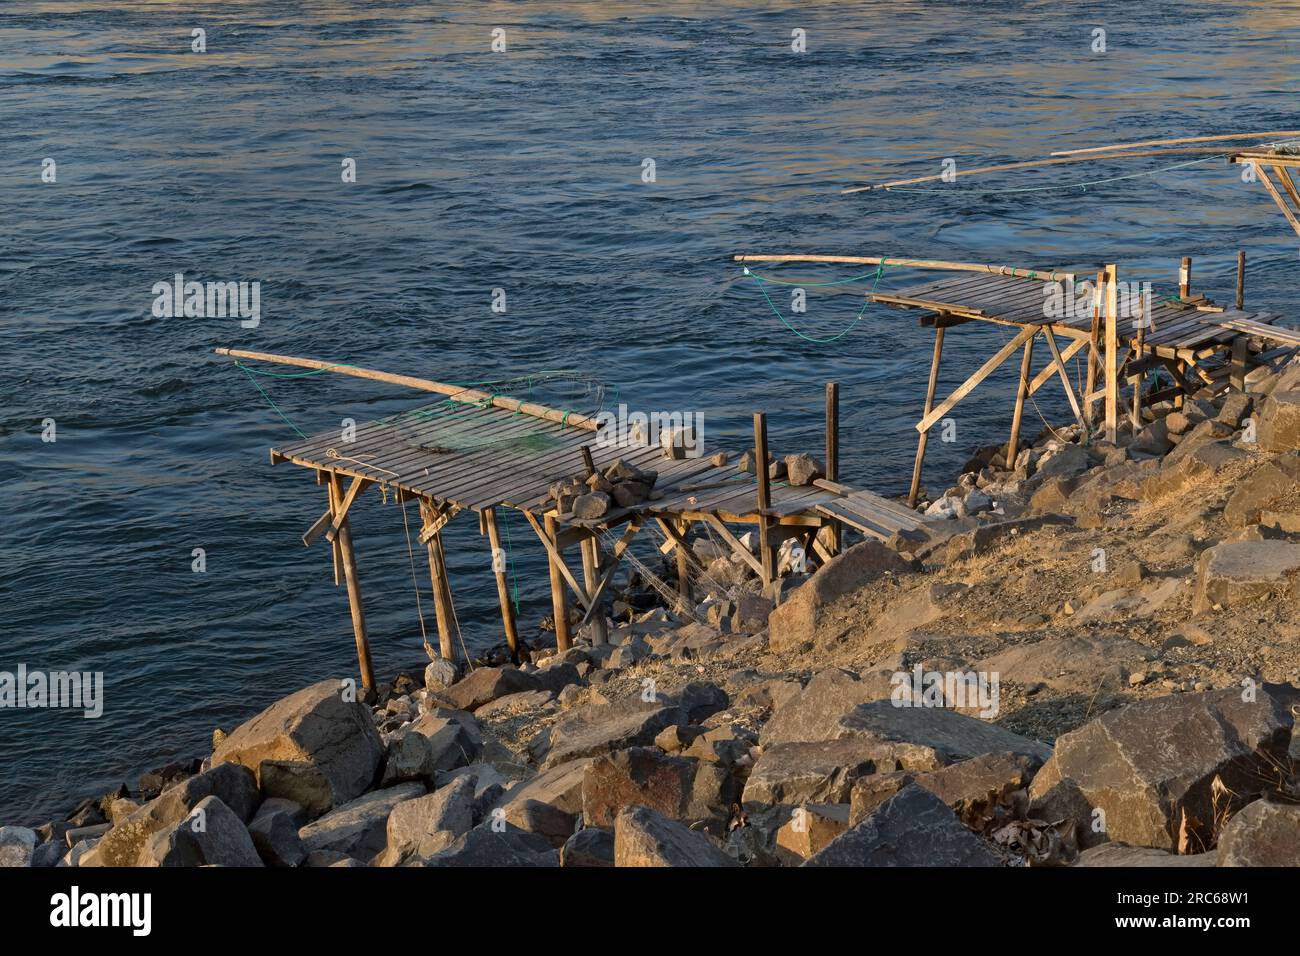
1278,197
442,604
349,561
915,490
734,543
1094,348
1022,389
591,560
1112,354
1240,300
766,554
1058,362
554,543
559,600
501,573
833,454
607,575
341,513
982,373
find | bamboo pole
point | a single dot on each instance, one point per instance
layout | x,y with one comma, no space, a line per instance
764,498
1112,355
442,608
941,264
924,438
503,583
1022,389
359,632
1240,301
559,599
833,453
1028,164
1225,137
468,395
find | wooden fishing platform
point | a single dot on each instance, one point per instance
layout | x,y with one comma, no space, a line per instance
479,452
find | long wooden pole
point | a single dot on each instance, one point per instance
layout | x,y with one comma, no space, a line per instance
359,632
559,598
983,372
833,453
1240,301
591,579
764,498
924,438
1185,278
1094,343
1022,389
441,589
940,264
501,572
468,395
1177,142
1112,355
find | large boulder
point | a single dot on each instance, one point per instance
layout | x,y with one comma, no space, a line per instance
926,738
973,789
1263,834
558,789
1236,572
274,832
1271,483
1279,417
210,835
495,845
691,791
794,622
1184,470
809,771
589,847
912,828
429,824
358,829
815,713
643,837
1150,768
431,745
17,846
320,729
604,728
1121,855
485,684
1072,663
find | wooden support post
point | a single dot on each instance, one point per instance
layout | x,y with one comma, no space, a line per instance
1058,362
1022,389
765,555
591,578
1185,278
1239,350
683,564
349,559
559,599
1181,397
915,490
983,372
1241,279
833,452
441,588
501,571
1094,346
1136,380
1112,354
333,488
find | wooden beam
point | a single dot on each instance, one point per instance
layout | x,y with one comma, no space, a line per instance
552,541
1067,353
359,632
591,578
1240,301
940,264
1240,346
341,514
1219,138
765,555
1094,354
332,488
683,563
982,373
438,523
740,550
616,555
442,606
1022,389
1058,361
501,572
833,452
559,600
318,527
1278,198
1185,278
457,392
1112,354
924,438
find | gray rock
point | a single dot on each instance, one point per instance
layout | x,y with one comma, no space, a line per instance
589,847
274,832
643,837
122,845
486,684
693,792
1263,834
803,469
558,789
358,829
17,846
316,726
809,772
603,728
1237,572
298,782
815,713
211,835
495,846
1119,854
439,675
912,828
925,738
594,504
429,824
700,700
431,745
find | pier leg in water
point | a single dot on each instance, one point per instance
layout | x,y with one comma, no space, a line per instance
591,573
766,554
349,560
501,572
929,406
683,564
833,454
1026,364
1112,355
441,589
559,599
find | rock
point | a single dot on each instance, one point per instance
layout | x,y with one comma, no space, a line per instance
1119,854
925,738
603,728
274,832
803,469
976,501
629,653
1068,462
643,837
358,829
46,855
300,782
816,712
559,788
690,791
1262,834
1073,663
17,846
1052,493
1279,419
912,828
486,684
1180,473
973,789
588,847
751,614
236,785
700,700
1154,439
439,675
809,772
1236,572
511,704
1271,483
430,745
810,829
594,504
317,727
1146,765
210,835
496,846
1236,406
794,623
428,824
729,745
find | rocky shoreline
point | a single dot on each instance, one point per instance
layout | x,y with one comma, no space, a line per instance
1090,659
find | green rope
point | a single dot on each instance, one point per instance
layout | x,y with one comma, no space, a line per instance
762,280
271,402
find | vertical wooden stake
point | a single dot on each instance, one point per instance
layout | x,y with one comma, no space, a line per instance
503,582
1136,380
1112,354
1239,347
348,557
333,489
764,498
559,598
1185,278
684,565
1022,390
591,580
441,589
1181,397
833,452
929,407
1241,279
1094,348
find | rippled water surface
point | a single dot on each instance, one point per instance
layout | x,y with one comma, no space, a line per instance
521,171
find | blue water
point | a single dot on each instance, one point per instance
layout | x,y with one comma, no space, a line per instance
518,170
